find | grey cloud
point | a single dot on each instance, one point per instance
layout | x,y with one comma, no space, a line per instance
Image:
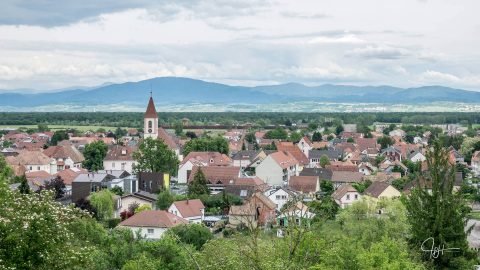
305,16
379,52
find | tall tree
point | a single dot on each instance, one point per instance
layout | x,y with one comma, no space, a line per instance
164,199
57,186
94,154
317,136
59,136
24,188
5,170
103,202
215,144
198,186
153,155
439,214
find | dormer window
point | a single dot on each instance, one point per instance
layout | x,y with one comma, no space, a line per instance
124,152
211,160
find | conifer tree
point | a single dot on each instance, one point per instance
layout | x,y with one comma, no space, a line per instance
199,184
439,214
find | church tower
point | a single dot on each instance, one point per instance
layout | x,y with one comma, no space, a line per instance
150,121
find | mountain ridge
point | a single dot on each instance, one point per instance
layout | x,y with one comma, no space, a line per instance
179,90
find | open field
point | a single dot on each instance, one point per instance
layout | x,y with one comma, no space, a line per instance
59,127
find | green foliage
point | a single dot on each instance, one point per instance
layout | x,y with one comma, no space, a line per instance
207,144
117,190
192,234
57,186
295,137
326,208
385,141
178,127
361,187
59,136
198,186
24,188
317,136
312,126
5,170
42,128
327,187
440,213
339,129
142,207
103,202
153,155
278,133
324,161
120,132
164,199
94,154
469,146
35,232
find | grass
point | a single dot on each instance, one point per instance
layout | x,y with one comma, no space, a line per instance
474,215
59,127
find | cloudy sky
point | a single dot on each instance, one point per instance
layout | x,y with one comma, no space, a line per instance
57,44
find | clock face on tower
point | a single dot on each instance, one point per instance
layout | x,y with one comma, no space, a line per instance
149,130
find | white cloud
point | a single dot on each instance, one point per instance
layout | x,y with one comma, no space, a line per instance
345,39
436,77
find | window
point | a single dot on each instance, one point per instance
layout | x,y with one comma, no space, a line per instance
150,231
150,124
38,168
356,196
243,193
150,185
348,196
113,164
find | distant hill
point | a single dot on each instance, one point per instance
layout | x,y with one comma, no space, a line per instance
176,90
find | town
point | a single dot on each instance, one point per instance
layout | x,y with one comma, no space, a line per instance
200,185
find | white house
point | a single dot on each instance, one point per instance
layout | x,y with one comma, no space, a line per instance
152,224
191,210
120,158
277,168
417,156
200,159
139,198
476,163
280,196
345,195
397,133
305,145
33,161
66,155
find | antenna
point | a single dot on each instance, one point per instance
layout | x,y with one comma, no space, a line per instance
151,93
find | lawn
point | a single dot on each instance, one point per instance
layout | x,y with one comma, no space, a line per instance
474,215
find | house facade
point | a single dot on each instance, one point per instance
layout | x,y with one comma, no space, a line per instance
277,168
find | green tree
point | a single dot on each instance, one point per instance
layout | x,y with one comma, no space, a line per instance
350,140
59,136
339,129
164,199
207,144
24,188
35,232
117,190
192,234
326,208
324,161
103,202
153,155
120,132
198,186
327,187
295,137
312,126
57,186
385,141
5,170
278,133
317,136
178,126
142,207
42,128
440,214
94,154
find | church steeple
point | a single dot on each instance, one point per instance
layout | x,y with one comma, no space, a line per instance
150,120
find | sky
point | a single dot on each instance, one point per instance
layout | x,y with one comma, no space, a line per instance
47,45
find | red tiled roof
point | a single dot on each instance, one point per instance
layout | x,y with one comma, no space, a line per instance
69,175
284,159
210,158
294,151
117,153
189,208
304,184
216,174
167,138
342,190
37,174
153,218
151,111
366,143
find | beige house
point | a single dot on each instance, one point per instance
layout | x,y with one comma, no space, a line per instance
346,195
379,190
139,198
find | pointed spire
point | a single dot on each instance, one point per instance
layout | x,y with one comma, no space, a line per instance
151,111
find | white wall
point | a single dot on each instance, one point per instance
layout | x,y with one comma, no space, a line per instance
349,198
270,172
182,172
117,165
157,232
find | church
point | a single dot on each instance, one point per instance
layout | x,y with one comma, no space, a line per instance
152,130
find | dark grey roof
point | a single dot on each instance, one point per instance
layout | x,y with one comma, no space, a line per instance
337,141
94,177
143,195
323,174
246,154
116,173
330,153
